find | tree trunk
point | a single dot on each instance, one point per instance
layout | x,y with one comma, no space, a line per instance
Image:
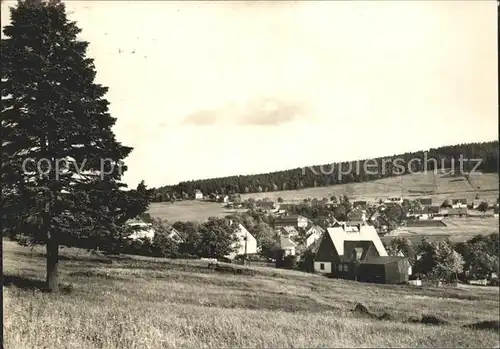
52,264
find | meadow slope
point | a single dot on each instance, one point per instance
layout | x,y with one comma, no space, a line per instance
412,186
156,303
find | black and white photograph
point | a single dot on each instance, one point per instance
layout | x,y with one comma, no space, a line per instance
250,174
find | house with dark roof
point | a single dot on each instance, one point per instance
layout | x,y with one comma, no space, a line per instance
359,203
355,252
425,201
269,206
332,244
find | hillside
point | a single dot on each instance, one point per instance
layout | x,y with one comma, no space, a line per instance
353,172
409,186
156,303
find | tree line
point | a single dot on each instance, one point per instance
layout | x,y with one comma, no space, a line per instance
328,174
476,258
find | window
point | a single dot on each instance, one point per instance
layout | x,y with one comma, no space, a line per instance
322,266
346,267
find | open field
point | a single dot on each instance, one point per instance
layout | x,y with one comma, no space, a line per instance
413,185
444,187
192,210
457,229
156,303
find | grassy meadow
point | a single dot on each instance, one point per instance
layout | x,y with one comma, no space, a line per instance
413,185
139,302
189,210
457,229
443,187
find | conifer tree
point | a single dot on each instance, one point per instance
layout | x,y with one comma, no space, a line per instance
61,162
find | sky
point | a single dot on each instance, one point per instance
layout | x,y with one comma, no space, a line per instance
210,89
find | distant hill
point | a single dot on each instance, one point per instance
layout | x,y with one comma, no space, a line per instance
446,157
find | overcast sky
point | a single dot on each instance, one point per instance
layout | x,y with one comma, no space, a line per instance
214,89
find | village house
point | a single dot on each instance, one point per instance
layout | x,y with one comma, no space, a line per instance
495,212
288,231
142,230
425,201
313,234
269,206
359,203
223,198
297,221
425,213
459,203
175,235
287,246
353,250
394,199
198,195
454,212
246,244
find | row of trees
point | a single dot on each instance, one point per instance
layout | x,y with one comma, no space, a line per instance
475,258
214,238
328,174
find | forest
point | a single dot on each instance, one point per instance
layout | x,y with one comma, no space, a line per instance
447,157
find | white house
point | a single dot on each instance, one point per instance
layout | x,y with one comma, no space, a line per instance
394,199
459,203
289,231
198,195
401,254
247,244
175,235
352,233
287,245
142,230
223,198
313,233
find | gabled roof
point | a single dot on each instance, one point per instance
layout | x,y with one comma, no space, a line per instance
175,233
285,242
315,245
339,234
289,229
135,221
313,229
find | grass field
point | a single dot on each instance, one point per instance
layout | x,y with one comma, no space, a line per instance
457,229
413,185
443,187
192,210
146,303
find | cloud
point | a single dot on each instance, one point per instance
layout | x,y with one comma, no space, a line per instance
263,112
